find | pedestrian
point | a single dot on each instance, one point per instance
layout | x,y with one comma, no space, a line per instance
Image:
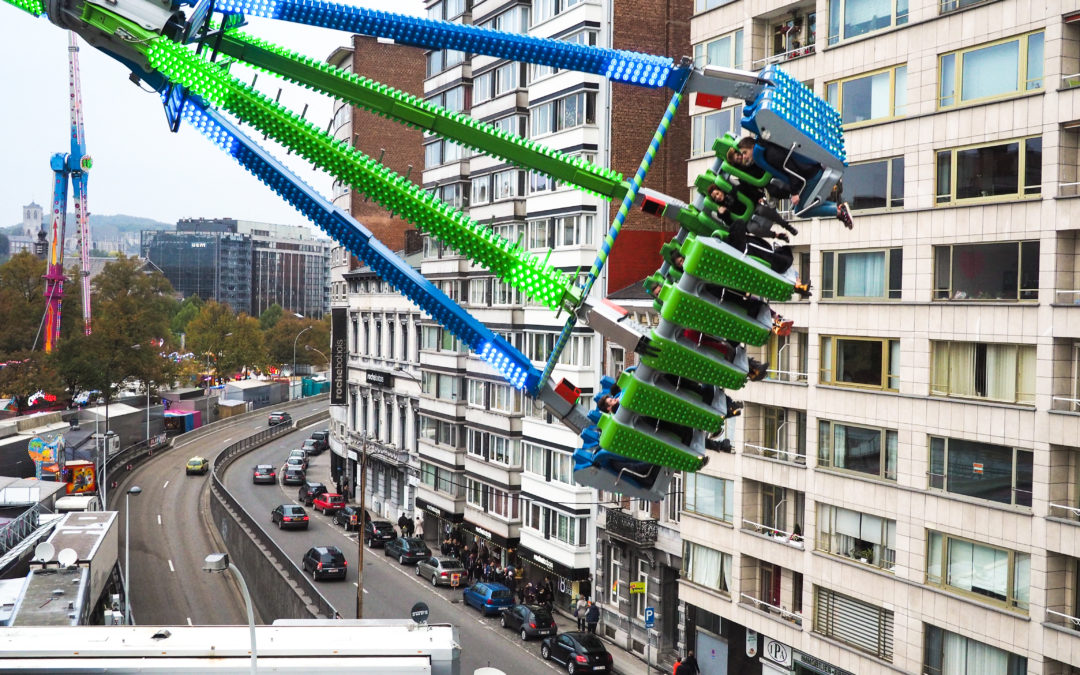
592,617
529,593
408,527
419,527
689,665
580,610
403,524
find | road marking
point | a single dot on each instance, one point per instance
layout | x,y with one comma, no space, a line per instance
171,568
227,439
165,485
159,519
189,621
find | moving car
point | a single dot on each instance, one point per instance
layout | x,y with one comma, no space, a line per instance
349,517
325,562
293,476
289,515
489,598
198,465
264,473
278,417
378,533
328,502
408,550
441,570
309,491
322,439
529,621
579,652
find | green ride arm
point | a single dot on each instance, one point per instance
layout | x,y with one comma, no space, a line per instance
414,111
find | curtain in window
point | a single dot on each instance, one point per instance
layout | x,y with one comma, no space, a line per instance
1021,579
990,71
990,571
933,558
1001,372
879,95
891,443
980,658
863,274
1025,375
870,529
955,660
939,381
961,368
839,446
848,522
719,53
961,561
707,567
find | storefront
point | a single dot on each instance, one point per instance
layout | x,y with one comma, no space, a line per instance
778,658
438,523
566,582
500,548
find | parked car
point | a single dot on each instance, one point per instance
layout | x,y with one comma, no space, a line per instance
198,465
289,516
378,533
264,473
310,446
309,491
440,570
348,517
408,550
579,652
293,476
529,621
300,456
278,417
328,502
489,598
325,561
322,439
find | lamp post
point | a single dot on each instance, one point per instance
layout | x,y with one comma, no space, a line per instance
293,375
147,383
133,490
309,348
219,562
363,525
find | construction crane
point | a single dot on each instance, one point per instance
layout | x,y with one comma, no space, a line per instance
676,398
70,167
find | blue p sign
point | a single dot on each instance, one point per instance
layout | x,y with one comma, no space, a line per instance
650,617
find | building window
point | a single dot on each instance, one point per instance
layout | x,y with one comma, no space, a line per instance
1000,271
562,467
706,5
1000,372
709,496
437,431
514,20
441,479
992,172
535,462
725,52
706,128
872,363
858,536
565,113
852,18
540,183
854,622
875,96
947,653
706,567
539,234
478,292
862,274
994,472
542,10
477,394
577,351
987,573
875,185
1002,68
504,294
863,449
507,185
481,187
576,230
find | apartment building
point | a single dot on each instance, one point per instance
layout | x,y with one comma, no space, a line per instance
903,496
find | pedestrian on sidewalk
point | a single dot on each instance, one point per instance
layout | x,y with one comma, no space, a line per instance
592,617
403,524
580,610
689,665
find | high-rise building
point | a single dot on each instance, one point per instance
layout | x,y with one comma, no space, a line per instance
904,494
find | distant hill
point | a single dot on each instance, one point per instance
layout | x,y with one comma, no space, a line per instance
119,223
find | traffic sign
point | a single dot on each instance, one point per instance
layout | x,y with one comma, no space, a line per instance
637,587
650,617
420,613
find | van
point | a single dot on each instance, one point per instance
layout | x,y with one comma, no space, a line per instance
73,503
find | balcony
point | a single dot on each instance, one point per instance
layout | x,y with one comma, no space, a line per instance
788,538
771,453
634,530
762,606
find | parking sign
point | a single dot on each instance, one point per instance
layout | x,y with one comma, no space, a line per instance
650,617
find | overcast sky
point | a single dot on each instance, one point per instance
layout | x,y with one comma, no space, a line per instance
140,168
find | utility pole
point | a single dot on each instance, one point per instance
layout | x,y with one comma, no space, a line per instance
362,526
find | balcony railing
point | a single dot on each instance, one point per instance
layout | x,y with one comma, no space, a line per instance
625,526
789,538
1068,189
1065,511
793,617
772,453
1060,619
806,50
1070,81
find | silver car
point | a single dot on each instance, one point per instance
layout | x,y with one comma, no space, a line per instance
441,570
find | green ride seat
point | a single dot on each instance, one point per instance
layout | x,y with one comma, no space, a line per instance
700,310
640,440
708,179
620,483
721,146
661,399
714,261
700,223
685,358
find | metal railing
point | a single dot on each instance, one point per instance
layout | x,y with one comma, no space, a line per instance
789,538
1069,189
793,617
1066,403
1069,512
772,453
805,50
14,532
1061,619
1072,297
624,525
1070,81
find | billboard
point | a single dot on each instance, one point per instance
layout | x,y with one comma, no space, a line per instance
339,356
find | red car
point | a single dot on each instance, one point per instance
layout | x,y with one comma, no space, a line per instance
328,502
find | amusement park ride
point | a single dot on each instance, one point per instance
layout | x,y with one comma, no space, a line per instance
713,270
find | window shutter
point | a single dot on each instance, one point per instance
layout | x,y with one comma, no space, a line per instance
854,622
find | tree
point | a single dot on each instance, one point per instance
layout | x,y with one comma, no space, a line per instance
22,302
186,311
208,331
281,338
270,316
27,373
245,348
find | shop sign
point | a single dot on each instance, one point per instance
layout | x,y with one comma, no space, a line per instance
433,509
637,587
482,532
540,560
339,354
751,643
777,651
380,379
820,666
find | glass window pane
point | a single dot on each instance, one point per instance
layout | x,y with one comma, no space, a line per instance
896,188
866,185
1033,166
947,91
861,275
900,91
859,362
985,271
944,177
864,16
989,71
988,171
1034,78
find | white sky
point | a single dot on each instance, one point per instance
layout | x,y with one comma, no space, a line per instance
140,168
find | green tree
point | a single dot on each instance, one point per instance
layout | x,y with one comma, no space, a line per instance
26,373
245,348
270,316
209,330
186,311
22,302
280,340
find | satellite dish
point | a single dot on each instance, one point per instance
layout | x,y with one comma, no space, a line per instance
67,557
44,552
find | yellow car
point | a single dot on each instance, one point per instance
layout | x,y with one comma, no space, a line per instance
197,465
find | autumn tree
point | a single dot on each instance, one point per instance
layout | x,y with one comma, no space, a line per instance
270,316
22,302
25,373
280,340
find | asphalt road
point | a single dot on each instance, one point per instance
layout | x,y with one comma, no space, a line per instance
390,589
169,537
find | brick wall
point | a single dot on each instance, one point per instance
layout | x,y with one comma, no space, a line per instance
402,67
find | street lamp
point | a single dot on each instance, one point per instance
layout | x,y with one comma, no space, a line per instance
309,348
294,355
133,490
219,562
147,383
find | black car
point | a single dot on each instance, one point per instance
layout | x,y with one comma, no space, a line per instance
322,440
579,652
529,621
324,562
278,417
264,473
293,476
408,550
289,516
310,447
309,491
378,533
348,516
